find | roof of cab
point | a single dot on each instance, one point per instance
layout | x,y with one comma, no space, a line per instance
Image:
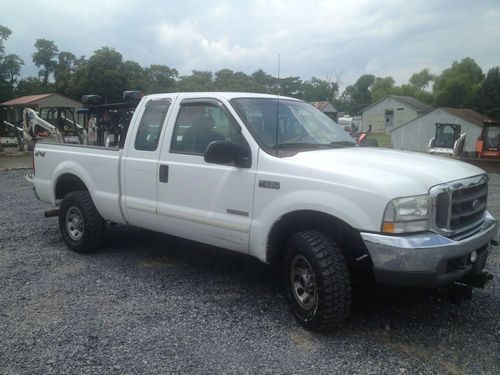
218,95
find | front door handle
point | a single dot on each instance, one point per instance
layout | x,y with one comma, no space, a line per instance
163,173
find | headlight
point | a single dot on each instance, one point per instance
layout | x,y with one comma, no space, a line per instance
409,214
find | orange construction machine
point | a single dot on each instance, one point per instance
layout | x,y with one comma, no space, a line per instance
488,144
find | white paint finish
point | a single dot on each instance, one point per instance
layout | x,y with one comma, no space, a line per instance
97,168
140,175
352,184
415,135
199,194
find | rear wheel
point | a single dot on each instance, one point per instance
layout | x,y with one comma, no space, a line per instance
81,226
317,280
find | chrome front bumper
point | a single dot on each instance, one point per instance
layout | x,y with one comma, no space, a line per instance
428,259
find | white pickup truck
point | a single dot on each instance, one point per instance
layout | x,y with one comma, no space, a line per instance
274,178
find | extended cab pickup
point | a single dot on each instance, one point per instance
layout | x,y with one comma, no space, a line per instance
275,178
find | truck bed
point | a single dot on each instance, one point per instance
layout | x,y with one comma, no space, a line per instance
98,168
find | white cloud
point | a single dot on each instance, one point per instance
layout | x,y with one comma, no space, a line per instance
314,38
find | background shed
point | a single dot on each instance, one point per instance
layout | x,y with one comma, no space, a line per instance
416,134
327,108
392,111
43,100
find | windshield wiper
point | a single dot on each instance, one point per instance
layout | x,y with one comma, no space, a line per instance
342,144
301,145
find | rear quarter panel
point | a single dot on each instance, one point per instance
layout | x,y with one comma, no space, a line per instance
97,167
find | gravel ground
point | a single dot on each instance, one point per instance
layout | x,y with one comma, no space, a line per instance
151,303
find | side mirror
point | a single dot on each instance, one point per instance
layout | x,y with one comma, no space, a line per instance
228,153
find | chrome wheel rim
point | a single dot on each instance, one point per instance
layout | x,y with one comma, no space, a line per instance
303,281
74,223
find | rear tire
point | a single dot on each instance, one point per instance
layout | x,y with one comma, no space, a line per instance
81,226
317,281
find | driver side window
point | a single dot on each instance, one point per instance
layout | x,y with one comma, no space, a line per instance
199,124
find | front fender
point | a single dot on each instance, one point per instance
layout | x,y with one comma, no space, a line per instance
353,212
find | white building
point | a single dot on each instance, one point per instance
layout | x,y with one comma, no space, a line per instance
392,111
416,134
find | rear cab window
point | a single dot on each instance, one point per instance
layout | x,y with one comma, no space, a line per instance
149,130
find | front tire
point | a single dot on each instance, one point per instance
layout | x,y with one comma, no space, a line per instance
317,281
81,226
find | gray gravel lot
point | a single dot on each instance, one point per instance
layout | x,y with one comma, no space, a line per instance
151,303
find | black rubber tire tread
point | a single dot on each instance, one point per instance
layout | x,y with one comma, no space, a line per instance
94,224
332,276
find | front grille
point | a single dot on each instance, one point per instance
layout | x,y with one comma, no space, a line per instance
460,205
468,206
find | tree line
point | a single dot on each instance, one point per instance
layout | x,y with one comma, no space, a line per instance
106,73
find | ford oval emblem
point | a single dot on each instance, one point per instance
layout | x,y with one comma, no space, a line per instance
476,204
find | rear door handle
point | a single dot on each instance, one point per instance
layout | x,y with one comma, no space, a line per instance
164,173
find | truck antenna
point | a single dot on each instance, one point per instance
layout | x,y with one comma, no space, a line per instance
277,108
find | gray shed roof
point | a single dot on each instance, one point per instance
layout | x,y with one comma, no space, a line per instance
410,101
466,114
324,106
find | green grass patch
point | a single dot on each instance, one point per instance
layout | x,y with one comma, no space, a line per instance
384,140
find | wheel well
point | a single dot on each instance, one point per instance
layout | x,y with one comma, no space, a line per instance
68,183
347,237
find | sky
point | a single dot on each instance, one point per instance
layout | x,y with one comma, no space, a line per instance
335,40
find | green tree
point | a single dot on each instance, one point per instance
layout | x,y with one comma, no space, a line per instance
5,32
32,86
291,86
227,80
135,76
266,82
64,71
422,79
79,84
383,87
358,96
488,96
160,78
102,74
10,67
197,81
318,90
43,58
457,86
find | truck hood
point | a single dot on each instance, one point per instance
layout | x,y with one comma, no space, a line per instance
397,173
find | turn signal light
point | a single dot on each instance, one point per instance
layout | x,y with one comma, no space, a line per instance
389,227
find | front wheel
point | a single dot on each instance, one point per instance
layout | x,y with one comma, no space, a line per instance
81,226
317,281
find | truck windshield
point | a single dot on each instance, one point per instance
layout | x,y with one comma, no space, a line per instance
290,124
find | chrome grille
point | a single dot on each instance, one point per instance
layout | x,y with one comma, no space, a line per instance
459,206
468,205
